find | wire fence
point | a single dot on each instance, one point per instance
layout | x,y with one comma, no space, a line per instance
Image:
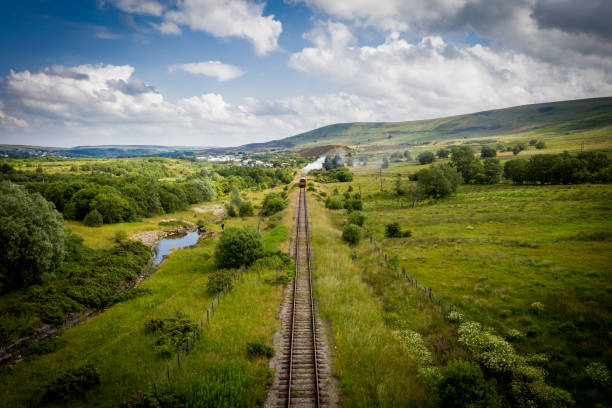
400,272
174,364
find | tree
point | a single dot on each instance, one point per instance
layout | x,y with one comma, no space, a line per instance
245,209
236,198
443,153
540,145
492,170
93,219
113,207
487,151
385,163
32,235
426,157
237,247
351,234
463,385
438,181
206,187
407,155
516,170
328,163
464,161
337,162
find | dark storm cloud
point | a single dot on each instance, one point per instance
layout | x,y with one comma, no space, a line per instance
592,17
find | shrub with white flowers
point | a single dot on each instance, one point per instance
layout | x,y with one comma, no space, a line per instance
490,350
416,347
514,335
536,307
454,317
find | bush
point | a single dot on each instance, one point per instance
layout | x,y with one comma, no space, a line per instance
540,145
259,349
219,280
333,203
454,317
72,384
425,157
231,211
599,374
46,346
490,350
272,204
351,234
393,230
172,334
237,247
463,385
93,219
356,218
353,204
245,209
121,236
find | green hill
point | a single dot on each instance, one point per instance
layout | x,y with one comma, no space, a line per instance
556,118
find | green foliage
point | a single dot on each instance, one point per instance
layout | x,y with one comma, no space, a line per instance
438,181
130,294
426,157
32,235
45,346
231,211
93,219
259,349
351,234
463,385
357,218
564,168
90,279
246,209
172,334
393,230
492,171
272,204
338,174
487,151
465,162
72,384
230,384
219,280
236,198
490,350
121,236
237,247
540,145
333,203
443,153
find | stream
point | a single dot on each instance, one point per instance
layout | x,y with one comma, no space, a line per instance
166,245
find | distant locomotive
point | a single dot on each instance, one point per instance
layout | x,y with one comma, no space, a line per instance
302,181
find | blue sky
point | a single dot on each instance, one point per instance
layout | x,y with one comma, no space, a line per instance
227,72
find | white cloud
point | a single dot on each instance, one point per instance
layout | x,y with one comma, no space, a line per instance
223,72
104,104
146,7
559,31
435,78
227,18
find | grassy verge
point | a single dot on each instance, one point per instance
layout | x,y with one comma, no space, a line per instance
369,360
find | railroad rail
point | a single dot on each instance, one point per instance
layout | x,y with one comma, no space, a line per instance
302,370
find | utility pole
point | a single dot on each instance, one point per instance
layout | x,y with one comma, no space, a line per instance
380,174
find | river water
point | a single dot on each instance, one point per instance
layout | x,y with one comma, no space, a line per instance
166,245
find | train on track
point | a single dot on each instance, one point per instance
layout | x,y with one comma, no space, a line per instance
302,182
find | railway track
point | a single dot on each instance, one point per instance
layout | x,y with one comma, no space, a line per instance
302,372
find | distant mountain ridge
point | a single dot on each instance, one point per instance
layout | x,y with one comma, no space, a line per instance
554,117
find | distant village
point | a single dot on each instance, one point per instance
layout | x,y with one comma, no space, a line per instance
234,160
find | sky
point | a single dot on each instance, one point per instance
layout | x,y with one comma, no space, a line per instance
229,72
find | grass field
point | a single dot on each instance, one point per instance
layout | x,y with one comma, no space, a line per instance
494,251
116,343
